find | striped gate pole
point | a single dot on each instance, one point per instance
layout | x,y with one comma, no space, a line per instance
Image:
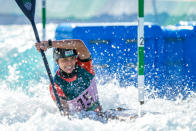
43,19
140,43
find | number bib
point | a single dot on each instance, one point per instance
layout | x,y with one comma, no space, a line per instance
86,99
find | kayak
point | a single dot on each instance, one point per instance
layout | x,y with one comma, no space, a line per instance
119,114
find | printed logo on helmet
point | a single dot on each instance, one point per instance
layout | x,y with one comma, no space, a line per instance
69,53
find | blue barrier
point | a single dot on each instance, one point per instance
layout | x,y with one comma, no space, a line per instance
190,53
174,76
114,51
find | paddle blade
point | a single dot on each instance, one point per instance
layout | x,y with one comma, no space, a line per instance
28,8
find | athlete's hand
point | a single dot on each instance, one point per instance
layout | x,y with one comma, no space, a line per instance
43,45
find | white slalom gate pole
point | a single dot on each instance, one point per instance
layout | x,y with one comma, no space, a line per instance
43,19
140,63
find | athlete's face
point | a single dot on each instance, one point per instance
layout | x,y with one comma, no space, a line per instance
67,64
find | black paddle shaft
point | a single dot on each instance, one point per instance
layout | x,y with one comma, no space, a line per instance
28,8
47,68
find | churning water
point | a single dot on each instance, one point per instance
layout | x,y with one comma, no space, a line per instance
25,102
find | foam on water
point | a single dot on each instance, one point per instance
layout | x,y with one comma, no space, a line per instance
25,102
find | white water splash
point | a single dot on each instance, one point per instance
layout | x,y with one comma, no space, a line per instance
33,109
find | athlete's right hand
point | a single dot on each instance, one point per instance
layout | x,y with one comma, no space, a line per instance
43,45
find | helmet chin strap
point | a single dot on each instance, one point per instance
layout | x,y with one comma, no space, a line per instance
68,75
